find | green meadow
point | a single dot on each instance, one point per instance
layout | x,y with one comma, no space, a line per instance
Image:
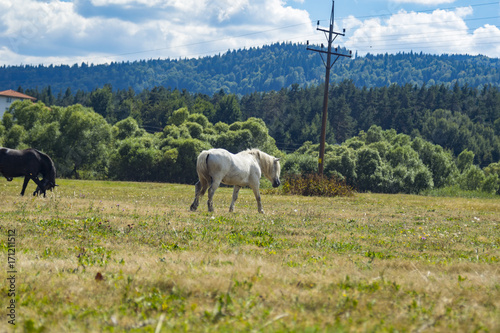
97,256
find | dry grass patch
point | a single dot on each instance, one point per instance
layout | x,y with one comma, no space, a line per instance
113,256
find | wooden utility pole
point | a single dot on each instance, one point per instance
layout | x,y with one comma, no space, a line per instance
328,64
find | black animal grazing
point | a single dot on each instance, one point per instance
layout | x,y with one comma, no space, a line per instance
28,163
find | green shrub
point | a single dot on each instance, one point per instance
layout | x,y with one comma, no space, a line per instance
472,178
299,164
491,184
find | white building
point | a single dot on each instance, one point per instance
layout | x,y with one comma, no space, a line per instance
8,97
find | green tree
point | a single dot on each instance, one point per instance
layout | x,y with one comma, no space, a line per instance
178,117
187,154
136,158
84,141
204,107
44,136
126,128
26,113
14,137
492,181
101,100
472,178
465,160
368,163
228,109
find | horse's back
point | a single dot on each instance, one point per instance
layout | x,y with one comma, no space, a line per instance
10,152
216,160
16,163
232,169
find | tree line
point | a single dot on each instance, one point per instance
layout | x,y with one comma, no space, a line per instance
263,69
84,145
390,162
457,118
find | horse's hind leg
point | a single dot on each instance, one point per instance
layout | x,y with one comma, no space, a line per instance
236,190
211,192
199,190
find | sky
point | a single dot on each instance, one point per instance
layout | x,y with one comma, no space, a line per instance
67,32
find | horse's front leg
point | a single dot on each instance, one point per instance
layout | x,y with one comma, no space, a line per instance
236,190
257,197
39,191
39,186
25,183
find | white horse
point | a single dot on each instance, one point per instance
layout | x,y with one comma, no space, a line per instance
217,166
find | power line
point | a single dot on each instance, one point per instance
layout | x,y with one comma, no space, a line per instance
424,11
215,40
305,23
300,24
410,47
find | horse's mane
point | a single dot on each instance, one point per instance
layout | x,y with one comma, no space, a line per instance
265,160
51,167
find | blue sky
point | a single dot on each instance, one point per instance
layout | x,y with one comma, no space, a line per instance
101,31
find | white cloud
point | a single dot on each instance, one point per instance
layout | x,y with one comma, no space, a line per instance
114,30
481,40
127,3
441,31
97,31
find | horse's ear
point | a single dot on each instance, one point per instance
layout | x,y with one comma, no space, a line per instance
277,159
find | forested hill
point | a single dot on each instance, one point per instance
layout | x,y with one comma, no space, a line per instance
257,69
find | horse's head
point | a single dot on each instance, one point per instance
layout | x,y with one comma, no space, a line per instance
269,166
276,172
50,185
44,186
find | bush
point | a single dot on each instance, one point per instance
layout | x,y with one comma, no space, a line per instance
315,185
178,117
194,129
125,128
472,178
491,184
300,164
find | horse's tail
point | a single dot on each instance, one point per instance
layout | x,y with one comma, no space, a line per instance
202,166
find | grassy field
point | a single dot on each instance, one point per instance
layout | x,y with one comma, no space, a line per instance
130,257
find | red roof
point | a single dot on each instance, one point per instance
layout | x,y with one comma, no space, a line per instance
15,94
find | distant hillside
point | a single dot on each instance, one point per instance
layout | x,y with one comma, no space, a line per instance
257,69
